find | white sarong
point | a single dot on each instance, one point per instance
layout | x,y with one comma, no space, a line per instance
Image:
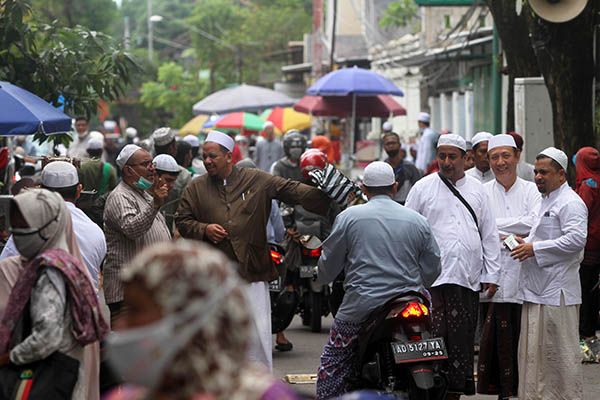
261,341
549,354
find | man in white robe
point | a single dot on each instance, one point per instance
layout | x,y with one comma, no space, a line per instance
470,253
549,354
514,203
481,171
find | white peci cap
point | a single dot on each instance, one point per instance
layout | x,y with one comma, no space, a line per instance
268,124
378,174
481,137
387,126
166,163
192,140
557,155
59,174
163,136
95,144
502,140
424,117
220,138
96,135
126,153
452,139
131,132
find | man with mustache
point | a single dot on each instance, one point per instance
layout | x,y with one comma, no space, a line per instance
405,172
461,220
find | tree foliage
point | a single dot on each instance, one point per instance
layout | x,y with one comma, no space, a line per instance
97,15
173,92
51,61
399,13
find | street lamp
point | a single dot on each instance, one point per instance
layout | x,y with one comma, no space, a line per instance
151,19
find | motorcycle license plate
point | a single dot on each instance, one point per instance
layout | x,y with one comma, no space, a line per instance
306,271
421,350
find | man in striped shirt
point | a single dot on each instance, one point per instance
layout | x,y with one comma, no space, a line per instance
132,219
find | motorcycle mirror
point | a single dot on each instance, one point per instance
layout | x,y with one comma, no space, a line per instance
311,242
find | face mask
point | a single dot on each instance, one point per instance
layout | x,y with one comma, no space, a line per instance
142,183
393,153
295,153
142,354
30,241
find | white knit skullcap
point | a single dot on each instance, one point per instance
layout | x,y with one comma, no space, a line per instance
220,138
452,139
557,155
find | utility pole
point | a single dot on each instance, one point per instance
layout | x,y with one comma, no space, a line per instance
150,38
126,33
333,29
317,46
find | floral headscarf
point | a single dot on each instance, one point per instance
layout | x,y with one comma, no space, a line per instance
213,364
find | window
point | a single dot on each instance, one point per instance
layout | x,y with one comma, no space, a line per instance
447,22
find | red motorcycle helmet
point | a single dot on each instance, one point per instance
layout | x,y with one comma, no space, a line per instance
311,160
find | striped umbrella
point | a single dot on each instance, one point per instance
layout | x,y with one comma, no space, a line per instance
240,120
287,118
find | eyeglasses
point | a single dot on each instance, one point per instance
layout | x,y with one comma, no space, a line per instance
144,164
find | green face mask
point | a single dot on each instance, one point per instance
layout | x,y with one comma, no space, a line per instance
142,183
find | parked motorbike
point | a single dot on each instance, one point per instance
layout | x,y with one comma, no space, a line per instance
397,352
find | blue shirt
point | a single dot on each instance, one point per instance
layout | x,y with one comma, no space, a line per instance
385,249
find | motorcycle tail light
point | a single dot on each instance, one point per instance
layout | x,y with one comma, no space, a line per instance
315,253
414,310
277,257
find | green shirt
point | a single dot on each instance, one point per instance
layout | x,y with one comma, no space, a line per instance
90,175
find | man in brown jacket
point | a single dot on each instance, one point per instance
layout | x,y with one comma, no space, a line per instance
229,208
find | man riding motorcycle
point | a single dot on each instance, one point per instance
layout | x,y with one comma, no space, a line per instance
384,249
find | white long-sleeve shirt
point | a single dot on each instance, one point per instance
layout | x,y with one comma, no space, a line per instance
558,236
467,259
483,177
515,212
425,149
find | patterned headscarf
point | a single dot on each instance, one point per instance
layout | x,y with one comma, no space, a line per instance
38,206
213,363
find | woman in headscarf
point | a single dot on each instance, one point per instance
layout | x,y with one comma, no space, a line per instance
587,186
53,290
187,330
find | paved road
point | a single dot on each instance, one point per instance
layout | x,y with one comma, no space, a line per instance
304,359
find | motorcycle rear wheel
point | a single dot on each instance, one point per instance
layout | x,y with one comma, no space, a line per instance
316,306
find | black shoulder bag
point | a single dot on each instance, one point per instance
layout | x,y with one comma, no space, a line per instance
462,200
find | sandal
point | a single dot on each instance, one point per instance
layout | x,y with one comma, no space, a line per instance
284,346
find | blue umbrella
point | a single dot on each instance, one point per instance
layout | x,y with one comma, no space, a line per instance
24,113
353,82
358,81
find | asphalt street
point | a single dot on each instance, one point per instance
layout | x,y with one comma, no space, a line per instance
304,359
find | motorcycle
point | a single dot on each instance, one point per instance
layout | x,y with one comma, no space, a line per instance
314,297
397,353
283,302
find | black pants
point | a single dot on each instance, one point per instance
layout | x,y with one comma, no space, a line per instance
590,301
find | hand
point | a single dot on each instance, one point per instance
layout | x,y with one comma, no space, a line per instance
490,289
159,191
215,233
523,251
4,359
293,233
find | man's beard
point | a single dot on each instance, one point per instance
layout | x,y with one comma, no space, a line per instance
392,153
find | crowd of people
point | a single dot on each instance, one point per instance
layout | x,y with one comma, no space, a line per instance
158,253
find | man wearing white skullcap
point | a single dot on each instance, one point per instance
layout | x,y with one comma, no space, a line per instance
406,258
167,168
514,203
62,177
460,215
229,208
426,143
132,220
482,170
550,286
268,151
96,174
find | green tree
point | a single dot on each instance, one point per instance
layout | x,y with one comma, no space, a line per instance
97,15
51,61
399,13
173,93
